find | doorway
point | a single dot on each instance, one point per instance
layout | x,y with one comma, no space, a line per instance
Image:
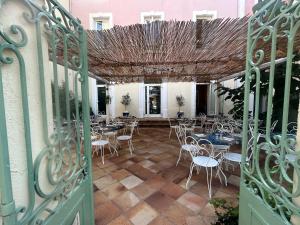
101,100
201,98
153,100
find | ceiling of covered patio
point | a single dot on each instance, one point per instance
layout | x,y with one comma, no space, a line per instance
178,51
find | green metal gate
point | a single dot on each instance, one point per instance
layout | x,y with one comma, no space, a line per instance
270,186
43,48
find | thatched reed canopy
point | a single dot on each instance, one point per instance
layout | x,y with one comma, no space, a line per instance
178,51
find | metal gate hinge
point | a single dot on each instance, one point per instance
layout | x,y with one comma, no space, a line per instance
7,209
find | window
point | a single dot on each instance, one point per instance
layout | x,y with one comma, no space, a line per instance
204,15
100,21
149,17
99,25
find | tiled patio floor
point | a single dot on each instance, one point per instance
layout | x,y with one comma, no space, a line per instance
148,188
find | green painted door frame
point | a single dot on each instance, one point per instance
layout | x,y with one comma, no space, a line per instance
65,160
267,186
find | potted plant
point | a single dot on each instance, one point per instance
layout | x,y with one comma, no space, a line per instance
126,101
180,103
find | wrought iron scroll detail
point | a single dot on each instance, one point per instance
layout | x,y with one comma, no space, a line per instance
274,22
62,165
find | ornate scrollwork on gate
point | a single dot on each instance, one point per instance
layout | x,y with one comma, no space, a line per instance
63,165
275,163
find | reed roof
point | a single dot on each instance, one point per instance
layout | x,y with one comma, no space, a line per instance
175,50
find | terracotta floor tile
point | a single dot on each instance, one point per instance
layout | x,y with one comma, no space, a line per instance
174,175
202,190
100,198
143,190
114,190
142,214
104,182
177,214
110,169
141,172
131,181
98,173
195,220
234,180
166,164
107,163
208,210
126,201
121,220
183,183
161,221
137,159
106,213
126,164
154,169
146,163
192,201
120,174
172,190
159,201
156,182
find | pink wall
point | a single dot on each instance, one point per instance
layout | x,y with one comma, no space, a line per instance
127,12
249,5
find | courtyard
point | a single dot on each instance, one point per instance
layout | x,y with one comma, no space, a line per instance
148,188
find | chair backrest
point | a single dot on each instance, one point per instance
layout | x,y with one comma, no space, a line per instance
169,121
132,126
273,125
180,133
201,147
227,127
217,126
292,127
250,146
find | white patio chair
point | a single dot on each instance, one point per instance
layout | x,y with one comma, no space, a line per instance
181,136
172,127
217,126
127,138
99,146
203,155
237,157
292,128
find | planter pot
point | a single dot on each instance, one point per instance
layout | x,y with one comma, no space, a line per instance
125,114
180,114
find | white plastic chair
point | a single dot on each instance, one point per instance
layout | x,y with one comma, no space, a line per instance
128,138
203,155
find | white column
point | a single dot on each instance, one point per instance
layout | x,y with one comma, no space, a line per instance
241,8
112,106
141,99
193,100
164,98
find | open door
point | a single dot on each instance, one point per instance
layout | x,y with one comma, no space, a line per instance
201,98
270,187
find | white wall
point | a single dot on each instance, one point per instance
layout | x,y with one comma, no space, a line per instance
227,105
179,88
123,89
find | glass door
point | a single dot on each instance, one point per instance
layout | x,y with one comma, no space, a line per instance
153,100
